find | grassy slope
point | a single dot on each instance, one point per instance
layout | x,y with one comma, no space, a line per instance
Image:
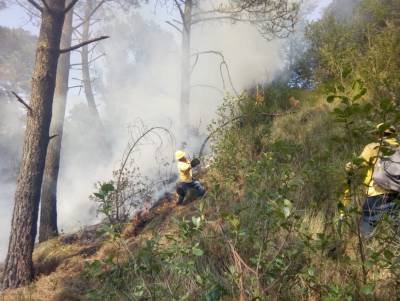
329,267
60,263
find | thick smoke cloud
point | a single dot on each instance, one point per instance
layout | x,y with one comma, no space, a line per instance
139,80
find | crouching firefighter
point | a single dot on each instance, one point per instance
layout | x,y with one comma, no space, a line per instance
186,185
382,180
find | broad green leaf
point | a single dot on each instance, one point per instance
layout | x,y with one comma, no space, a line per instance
197,251
99,195
311,271
361,94
107,187
196,221
331,98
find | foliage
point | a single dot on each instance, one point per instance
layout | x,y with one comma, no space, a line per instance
119,198
273,224
268,227
16,58
367,43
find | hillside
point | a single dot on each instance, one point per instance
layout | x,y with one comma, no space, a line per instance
267,228
64,265
299,166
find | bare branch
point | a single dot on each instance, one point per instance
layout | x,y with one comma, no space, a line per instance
74,87
87,19
177,21
20,100
46,5
220,18
222,64
95,21
53,136
195,63
208,86
78,15
180,10
36,5
70,6
77,35
132,147
75,64
91,61
83,44
210,52
96,58
230,77
174,26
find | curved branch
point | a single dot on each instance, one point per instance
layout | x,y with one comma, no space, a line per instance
208,86
180,10
222,64
130,150
203,145
195,63
174,26
83,44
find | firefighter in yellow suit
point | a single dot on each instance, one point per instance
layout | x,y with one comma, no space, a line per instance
378,200
186,181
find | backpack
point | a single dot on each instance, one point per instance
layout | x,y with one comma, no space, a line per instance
387,171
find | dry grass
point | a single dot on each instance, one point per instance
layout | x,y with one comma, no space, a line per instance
58,268
60,263
312,119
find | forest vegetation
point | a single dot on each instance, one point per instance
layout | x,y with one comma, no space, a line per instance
274,223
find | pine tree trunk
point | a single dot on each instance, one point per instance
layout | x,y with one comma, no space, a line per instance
18,267
105,146
48,208
185,70
86,67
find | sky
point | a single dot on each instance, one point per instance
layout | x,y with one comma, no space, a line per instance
15,16
158,85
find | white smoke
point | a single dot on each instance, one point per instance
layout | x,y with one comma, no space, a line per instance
11,130
143,83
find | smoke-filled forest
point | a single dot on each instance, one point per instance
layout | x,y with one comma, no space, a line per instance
199,150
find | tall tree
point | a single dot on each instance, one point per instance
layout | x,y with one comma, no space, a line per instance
48,209
18,266
86,79
48,213
272,17
186,15
90,16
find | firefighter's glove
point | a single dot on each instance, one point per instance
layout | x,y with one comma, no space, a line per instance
349,167
194,162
